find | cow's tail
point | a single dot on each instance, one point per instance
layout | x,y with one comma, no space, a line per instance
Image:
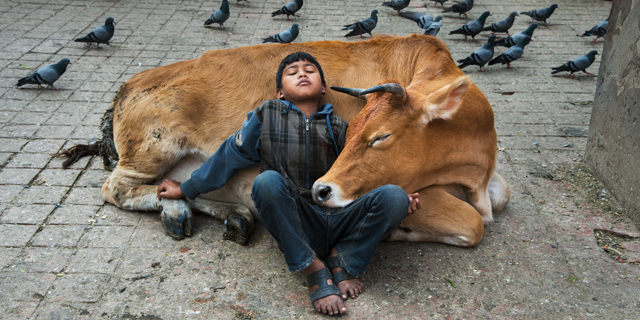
104,147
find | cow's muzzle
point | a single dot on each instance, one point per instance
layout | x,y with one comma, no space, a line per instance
328,195
321,193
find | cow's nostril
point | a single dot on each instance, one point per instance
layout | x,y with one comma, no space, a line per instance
323,193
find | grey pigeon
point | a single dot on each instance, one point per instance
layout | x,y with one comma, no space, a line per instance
289,9
481,56
460,8
423,20
46,75
599,30
540,14
435,2
219,16
284,36
514,39
503,25
580,63
363,26
472,28
434,27
101,34
397,4
512,54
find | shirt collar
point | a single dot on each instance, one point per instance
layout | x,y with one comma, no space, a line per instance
326,109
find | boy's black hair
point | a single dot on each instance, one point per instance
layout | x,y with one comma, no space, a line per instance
295,57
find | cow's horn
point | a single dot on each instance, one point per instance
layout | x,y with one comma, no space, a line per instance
350,91
394,88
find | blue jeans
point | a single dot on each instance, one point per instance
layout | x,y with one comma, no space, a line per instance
305,230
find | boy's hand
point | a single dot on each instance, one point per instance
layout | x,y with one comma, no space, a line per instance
414,203
169,189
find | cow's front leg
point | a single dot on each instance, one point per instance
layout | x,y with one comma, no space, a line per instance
176,217
237,218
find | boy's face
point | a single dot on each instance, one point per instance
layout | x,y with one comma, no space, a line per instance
301,81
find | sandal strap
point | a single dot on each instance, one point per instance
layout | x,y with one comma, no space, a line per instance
342,276
320,278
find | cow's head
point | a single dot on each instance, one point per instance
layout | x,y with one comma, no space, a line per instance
391,140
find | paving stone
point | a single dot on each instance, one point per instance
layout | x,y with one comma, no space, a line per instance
54,132
78,287
28,214
42,259
93,178
49,146
11,145
16,235
66,310
86,196
7,256
112,215
106,236
58,236
42,195
57,177
18,176
14,310
18,131
29,160
9,192
95,260
74,214
25,287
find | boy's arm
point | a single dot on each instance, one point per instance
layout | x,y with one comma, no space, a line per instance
238,152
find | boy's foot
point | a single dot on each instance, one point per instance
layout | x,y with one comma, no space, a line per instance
331,303
349,286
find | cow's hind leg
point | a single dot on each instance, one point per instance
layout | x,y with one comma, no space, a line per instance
443,218
128,190
499,192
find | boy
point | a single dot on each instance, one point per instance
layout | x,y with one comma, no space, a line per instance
295,142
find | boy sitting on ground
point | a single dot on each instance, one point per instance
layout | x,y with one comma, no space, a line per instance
295,141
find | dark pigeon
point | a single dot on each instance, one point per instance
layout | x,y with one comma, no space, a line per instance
472,28
285,36
397,4
512,54
503,25
514,39
219,16
434,27
580,63
541,14
481,56
289,9
101,34
599,30
46,75
460,8
363,26
435,2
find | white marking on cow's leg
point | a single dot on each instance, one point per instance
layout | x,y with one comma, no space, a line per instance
479,199
499,192
408,235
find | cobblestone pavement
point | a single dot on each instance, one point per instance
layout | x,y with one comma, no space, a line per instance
65,254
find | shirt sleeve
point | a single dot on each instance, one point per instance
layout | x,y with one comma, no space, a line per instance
238,152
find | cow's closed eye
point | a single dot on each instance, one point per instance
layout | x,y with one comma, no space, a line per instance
379,139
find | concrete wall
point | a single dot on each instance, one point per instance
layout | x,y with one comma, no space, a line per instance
614,133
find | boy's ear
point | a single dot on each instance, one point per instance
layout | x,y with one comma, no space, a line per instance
323,90
279,93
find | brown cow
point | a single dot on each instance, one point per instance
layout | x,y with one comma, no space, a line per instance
165,122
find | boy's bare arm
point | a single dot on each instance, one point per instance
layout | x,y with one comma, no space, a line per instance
169,189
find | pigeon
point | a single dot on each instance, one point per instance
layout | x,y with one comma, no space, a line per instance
285,36
435,2
396,4
512,54
503,25
580,63
514,39
46,75
423,20
599,30
481,56
219,16
363,26
460,8
541,14
435,26
101,34
472,28
289,9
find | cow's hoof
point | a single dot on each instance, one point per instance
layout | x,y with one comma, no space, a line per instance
176,218
239,228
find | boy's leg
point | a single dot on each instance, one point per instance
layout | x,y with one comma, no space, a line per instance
358,228
297,227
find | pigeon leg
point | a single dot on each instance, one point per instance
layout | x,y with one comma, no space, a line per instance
509,65
465,15
39,85
51,85
297,16
398,11
465,37
570,77
590,74
594,40
480,70
474,39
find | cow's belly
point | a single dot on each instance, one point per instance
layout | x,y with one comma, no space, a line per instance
238,190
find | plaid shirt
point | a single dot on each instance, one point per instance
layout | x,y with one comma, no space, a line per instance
277,136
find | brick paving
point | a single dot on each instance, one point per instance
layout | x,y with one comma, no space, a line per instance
65,254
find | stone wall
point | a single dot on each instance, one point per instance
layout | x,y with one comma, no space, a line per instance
614,133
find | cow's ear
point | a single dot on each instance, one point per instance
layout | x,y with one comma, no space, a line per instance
443,103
